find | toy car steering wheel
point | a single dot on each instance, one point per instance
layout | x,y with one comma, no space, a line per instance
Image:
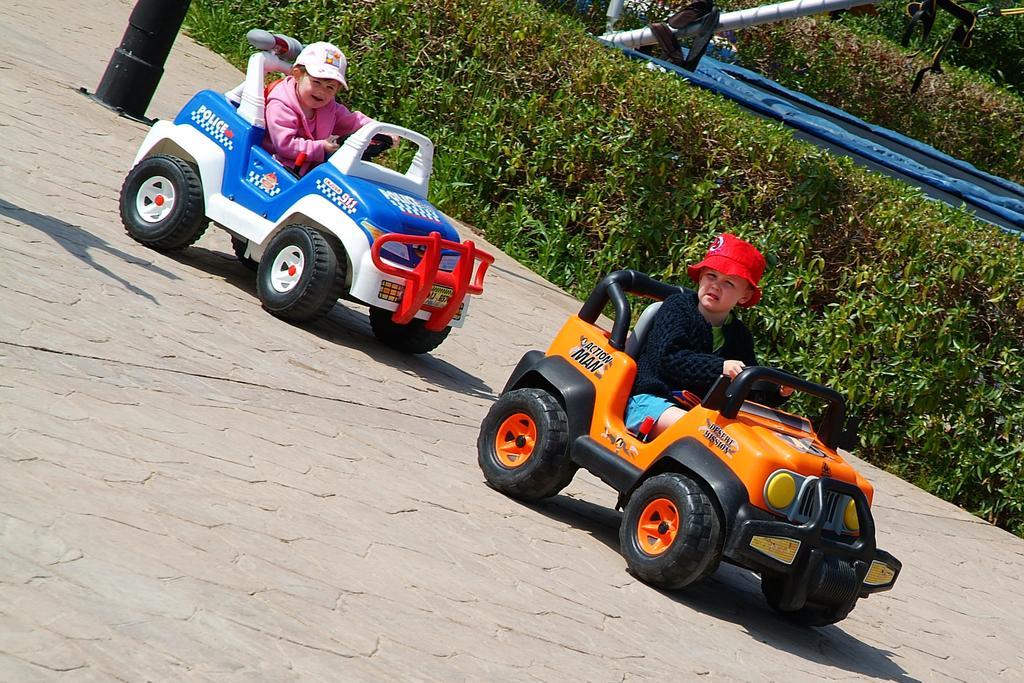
379,144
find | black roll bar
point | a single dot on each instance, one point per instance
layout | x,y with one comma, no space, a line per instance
614,287
830,429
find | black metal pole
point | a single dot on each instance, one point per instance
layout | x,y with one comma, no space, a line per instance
136,66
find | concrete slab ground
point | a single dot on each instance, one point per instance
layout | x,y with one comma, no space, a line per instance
191,489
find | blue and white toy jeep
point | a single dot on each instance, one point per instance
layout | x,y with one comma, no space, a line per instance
349,228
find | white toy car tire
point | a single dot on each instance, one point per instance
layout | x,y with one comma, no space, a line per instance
300,275
162,203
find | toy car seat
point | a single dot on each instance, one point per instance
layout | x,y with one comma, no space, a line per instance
635,340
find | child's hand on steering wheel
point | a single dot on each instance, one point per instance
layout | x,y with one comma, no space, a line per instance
731,368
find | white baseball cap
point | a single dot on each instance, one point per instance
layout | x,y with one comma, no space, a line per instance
323,60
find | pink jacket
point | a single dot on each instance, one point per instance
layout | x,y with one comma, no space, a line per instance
289,132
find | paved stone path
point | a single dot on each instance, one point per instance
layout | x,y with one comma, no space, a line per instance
191,489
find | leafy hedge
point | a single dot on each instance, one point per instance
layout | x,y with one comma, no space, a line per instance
997,46
956,111
577,162
996,51
856,64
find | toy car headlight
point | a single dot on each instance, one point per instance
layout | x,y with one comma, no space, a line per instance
850,519
374,231
780,490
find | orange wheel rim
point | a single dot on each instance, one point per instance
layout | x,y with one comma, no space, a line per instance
515,440
658,526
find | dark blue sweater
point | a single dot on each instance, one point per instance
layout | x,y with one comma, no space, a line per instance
677,352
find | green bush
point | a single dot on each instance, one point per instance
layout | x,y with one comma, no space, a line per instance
856,64
955,112
577,162
996,50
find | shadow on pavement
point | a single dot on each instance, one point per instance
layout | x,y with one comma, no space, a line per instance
347,324
733,594
80,243
597,520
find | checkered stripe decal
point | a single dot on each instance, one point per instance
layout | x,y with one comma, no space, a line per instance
412,206
338,196
213,126
256,180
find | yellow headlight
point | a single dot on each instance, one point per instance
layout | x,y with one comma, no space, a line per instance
781,490
850,517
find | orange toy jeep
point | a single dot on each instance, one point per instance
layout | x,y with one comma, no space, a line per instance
732,479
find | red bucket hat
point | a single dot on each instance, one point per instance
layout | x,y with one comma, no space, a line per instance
730,255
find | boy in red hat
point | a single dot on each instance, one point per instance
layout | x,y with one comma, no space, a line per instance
695,338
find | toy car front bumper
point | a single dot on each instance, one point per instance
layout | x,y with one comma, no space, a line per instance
426,287
816,566
389,287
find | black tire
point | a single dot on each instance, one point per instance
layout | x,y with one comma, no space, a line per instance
523,447
162,203
681,540
313,287
811,614
238,245
413,337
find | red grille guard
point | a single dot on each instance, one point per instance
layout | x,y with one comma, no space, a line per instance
419,281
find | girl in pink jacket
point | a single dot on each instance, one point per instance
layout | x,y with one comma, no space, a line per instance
304,122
